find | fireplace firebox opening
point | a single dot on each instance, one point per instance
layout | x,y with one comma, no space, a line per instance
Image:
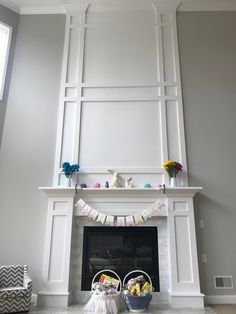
121,249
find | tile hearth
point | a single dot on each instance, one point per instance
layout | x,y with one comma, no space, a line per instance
154,309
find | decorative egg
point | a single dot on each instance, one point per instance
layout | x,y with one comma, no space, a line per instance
97,286
97,185
83,185
147,186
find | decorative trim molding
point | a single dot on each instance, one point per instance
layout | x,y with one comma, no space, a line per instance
220,299
10,5
207,5
27,10
184,6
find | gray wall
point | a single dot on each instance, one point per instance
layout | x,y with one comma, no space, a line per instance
28,142
207,45
12,19
207,51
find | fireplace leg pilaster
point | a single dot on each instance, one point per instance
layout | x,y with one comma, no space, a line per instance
184,275
56,263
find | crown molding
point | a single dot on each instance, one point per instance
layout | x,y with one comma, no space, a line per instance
10,5
207,5
27,10
73,5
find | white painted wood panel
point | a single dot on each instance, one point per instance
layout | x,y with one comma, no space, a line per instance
124,134
182,238
56,265
68,137
120,53
73,55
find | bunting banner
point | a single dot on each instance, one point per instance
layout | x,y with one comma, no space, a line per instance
155,209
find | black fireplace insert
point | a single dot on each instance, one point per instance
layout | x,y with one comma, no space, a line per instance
121,249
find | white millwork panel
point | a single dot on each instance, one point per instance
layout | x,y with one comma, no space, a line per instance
184,283
121,104
121,109
55,278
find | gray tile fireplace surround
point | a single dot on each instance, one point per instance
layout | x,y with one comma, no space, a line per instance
79,296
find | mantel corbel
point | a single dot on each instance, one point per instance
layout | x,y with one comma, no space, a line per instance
166,5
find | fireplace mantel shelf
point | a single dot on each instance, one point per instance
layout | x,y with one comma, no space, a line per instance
169,191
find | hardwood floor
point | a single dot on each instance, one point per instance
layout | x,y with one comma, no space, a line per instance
224,308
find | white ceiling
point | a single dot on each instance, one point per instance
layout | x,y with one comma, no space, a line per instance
56,6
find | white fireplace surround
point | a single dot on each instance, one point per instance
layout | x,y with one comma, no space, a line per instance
121,108
184,286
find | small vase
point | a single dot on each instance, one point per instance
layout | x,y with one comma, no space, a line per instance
68,182
173,182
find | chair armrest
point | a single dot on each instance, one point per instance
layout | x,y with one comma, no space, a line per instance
27,281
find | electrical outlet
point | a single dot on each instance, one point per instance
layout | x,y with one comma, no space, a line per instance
204,258
201,224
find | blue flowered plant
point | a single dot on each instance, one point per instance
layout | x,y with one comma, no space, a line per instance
69,169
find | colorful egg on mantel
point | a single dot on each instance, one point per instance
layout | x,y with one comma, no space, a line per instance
97,185
83,186
147,186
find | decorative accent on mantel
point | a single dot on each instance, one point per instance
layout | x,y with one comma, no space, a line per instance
156,209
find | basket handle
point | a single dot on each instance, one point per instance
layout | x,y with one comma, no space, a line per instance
138,271
107,270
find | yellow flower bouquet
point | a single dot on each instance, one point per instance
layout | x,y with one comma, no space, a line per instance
172,167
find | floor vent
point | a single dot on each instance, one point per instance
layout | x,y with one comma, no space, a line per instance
223,282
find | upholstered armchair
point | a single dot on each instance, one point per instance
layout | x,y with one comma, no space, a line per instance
15,289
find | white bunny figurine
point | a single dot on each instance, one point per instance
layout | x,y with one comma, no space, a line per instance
115,182
128,183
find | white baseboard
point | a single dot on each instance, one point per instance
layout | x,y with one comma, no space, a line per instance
220,299
34,298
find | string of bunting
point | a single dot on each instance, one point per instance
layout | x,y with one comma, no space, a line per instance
154,209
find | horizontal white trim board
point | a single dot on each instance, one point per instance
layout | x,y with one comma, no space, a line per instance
220,299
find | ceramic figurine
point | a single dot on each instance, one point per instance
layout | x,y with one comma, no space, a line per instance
128,183
115,182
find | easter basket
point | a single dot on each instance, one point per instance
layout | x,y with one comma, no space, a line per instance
105,300
138,303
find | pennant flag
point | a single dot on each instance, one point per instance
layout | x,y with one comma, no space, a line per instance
80,203
110,220
138,219
101,218
86,210
161,205
129,220
93,214
153,210
146,213
120,221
